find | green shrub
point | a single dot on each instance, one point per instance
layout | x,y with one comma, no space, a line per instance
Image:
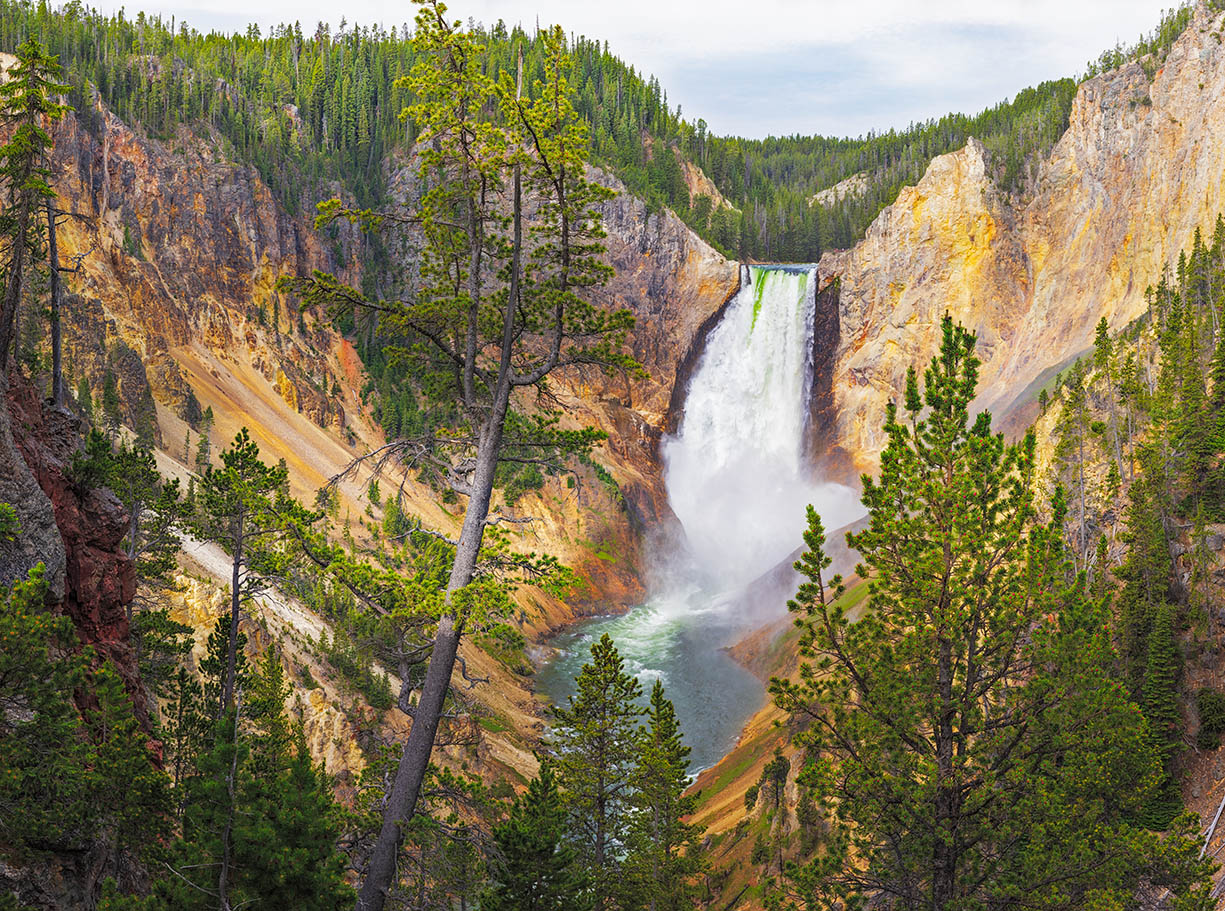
1210,705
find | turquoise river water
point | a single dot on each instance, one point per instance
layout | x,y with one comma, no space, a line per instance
680,643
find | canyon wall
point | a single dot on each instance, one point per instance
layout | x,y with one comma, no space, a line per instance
1141,166
179,250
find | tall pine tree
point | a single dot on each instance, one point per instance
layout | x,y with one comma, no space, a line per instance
663,855
536,867
595,741
985,675
1160,705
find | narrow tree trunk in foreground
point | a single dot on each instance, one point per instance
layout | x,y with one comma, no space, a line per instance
415,760
57,357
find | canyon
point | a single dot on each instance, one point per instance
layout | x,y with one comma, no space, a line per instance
179,250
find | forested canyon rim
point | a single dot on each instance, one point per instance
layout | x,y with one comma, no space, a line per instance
1139,169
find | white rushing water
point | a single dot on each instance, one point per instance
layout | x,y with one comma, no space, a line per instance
735,471
737,481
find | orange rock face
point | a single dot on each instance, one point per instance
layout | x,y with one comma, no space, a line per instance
1141,166
99,579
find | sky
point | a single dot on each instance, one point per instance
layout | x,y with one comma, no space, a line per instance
832,67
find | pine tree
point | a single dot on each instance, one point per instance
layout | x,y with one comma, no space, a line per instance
1104,363
185,728
479,344
244,505
981,671
771,789
111,404
155,512
133,798
203,858
268,729
26,105
259,824
1073,435
1129,392
288,829
213,665
204,444
1160,704
1146,580
1193,429
44,780
663,855
1103,347
536,867
1214,492
595,740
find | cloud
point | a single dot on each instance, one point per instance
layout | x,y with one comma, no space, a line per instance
787,66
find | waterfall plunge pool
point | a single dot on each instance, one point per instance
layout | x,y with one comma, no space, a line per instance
678,640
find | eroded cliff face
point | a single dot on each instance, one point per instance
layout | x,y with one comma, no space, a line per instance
90,577
179,254
1141,166
179,251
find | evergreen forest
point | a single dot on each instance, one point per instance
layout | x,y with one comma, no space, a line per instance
311,108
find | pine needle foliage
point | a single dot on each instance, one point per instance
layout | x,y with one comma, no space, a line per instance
595,741
536,867
966,736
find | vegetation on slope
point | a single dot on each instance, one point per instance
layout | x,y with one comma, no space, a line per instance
307,108
1124,486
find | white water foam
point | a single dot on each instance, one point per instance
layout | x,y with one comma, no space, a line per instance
735,471
738,481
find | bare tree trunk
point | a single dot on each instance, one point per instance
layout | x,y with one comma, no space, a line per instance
231,659
223,875
12,290
414,761
57,355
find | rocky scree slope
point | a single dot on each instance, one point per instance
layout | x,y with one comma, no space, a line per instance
179,251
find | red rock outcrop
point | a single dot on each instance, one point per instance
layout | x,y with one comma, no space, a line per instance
99,580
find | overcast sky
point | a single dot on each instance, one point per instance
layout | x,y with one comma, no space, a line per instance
836,67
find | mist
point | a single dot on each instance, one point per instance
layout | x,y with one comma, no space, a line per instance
735,471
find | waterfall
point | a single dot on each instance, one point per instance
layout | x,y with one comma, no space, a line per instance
736,478
735,470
